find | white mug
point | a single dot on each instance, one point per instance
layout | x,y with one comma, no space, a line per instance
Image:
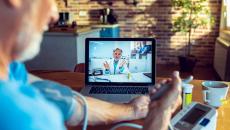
215,92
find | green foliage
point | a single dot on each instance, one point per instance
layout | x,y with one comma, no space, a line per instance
193,14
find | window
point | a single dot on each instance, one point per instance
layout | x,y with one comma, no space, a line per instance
225,21
226,12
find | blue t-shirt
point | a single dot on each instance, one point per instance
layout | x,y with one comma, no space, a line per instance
18,72
23,107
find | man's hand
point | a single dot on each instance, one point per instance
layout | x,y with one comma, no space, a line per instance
140,106
106,65
122,63
160,111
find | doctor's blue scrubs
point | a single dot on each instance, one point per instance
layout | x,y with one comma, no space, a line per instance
24,108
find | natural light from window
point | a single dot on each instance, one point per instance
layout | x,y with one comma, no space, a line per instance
228,12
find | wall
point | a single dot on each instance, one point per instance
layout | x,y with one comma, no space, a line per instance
152,18
105,49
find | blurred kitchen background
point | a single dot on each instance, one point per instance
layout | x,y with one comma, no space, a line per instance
63,45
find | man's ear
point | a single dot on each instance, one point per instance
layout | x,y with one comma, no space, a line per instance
14,3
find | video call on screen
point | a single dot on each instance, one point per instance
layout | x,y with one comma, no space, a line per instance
120,61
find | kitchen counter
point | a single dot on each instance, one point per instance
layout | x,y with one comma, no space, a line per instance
62,48
80,30
108,30
105,26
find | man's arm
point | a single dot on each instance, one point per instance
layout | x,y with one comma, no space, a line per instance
101,112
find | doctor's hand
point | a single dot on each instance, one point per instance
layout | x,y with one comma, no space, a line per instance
106,65
140,106
122,63
160,111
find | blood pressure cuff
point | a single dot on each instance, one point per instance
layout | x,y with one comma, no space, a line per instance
60,95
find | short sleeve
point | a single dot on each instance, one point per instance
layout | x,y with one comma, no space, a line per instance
60,95
23,108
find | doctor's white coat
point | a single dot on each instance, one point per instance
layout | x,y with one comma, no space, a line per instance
117,71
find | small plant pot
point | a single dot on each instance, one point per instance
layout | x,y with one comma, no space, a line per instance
187,63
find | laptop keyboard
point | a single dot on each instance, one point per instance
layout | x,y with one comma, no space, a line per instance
118,90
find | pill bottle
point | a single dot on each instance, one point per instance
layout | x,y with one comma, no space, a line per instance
187,94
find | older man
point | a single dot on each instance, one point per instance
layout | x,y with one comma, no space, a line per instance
24,108
116,65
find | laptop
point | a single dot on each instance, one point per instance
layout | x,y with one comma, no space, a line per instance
116,68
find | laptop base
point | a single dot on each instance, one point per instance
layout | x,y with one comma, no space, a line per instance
115,98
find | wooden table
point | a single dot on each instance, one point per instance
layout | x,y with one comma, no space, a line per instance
76,82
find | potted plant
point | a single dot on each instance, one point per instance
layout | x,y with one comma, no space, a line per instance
192,14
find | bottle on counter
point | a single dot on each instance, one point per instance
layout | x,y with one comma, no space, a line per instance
187,94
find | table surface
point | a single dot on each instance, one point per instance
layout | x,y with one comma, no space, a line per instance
76,82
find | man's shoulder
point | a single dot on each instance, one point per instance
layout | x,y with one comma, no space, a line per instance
20,102
11,88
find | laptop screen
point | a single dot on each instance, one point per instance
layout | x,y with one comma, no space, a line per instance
120,60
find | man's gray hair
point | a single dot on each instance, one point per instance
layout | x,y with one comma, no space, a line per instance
117,49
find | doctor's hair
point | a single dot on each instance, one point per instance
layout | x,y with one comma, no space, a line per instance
117,49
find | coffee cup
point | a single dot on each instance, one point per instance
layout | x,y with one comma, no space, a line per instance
215,92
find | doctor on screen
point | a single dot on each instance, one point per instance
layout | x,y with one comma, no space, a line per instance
116,65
